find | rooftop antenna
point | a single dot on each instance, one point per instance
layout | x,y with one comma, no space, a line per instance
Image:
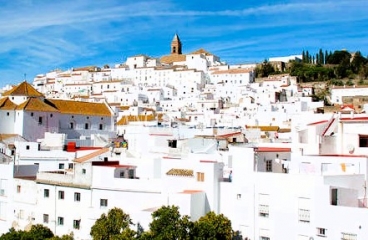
25,76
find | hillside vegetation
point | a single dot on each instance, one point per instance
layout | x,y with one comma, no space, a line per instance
324,66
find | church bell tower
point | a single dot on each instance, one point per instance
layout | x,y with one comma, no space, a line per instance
176,45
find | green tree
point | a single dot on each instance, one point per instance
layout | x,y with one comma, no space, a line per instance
307,57
36,232
64,237
340,57
358,62
168,224
39,231
114,225
363,72
325,57
213,227
12,234
321,57
264,69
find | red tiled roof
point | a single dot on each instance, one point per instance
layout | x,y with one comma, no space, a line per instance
91,155
272,149
316,123
208,161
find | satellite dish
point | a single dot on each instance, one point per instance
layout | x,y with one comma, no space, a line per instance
350,148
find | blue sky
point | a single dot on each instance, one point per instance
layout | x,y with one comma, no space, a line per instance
37,36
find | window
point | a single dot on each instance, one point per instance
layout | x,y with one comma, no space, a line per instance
304,215
27,147
263,205
334,196
86,126
122,173
61,165
70,166
200,177
45,218
21,214
321,232
103,202
76,224
46,193
7,114
363,140
264,234
268,165
71,125
77,197
61,194
264,210
60,221
131,173
304,210
84,171
348,236
100,126
18,188
51,115
39,120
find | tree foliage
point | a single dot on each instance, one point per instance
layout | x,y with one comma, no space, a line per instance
115,225
213,226
264,69
327,65
167,223
36,232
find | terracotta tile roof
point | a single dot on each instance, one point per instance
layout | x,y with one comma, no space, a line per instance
36,104
6,136
23,89
202,51
263,128
86,68
180,172
173,58
135,118
284,130
7,104
228,135
191,191
91,155
272,149
124,108
81,108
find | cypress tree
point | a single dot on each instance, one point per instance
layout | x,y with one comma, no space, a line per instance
307,57
326,56
321,58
